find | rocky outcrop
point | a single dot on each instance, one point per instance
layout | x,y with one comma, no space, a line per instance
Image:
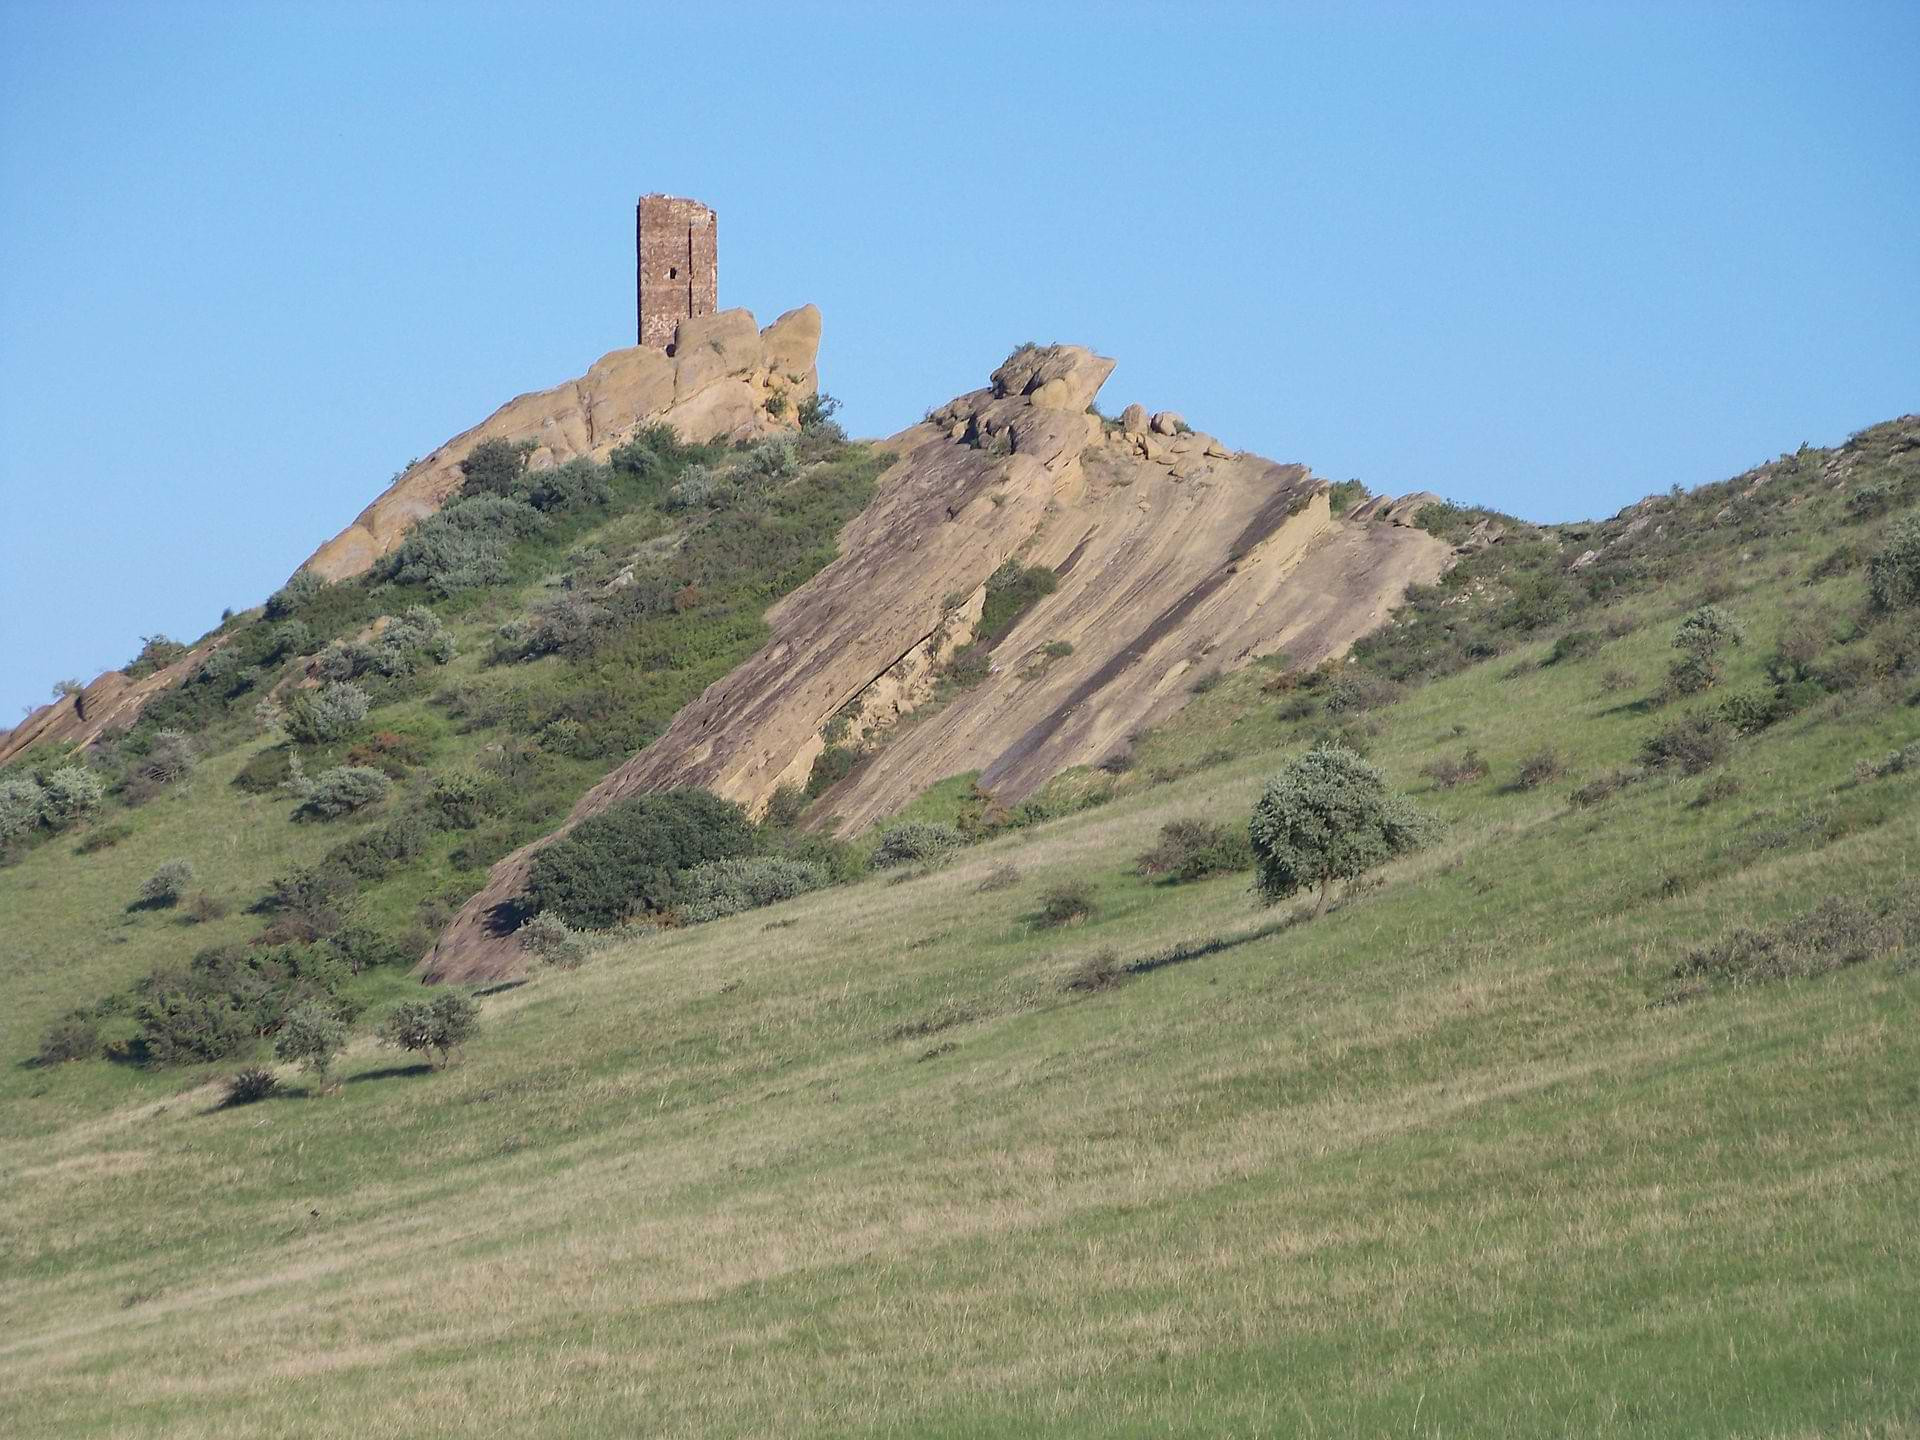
112,701
724,378
1176,558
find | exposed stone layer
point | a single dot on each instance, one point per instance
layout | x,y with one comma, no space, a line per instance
1176,557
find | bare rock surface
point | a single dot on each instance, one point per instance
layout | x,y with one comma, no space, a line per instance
1175,558
112,701
718,381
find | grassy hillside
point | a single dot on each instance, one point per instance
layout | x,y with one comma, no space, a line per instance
1521,1139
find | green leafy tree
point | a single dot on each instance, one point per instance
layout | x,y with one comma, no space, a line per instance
433,1027
1329,816
312,1035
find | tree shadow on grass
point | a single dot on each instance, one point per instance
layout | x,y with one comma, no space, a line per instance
1199,949
390,1072
500,987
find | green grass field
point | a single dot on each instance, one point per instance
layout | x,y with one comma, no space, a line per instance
1439,1163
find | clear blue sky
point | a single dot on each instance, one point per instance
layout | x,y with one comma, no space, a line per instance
1549,258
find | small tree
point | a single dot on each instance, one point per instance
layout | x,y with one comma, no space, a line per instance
317,716
1701,637
440,1025
1329,816
71,793
312,1035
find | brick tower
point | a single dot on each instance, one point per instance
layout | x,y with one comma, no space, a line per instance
677,245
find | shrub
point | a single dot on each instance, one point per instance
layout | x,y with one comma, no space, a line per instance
170,757
1193,850
70,793
167,884
255,1083
1329,816
1101,970
1616,679
1721,787
1692,745
830,767
1067,903
339,791
816,414
1002,877
1538,769
551,940
629,857
494,467
97,838
698,488
1604,787
74,1036
1835,934
1574,645
23,805
1748,712
1895,762
459,802
727,887
770,459
1360,691
203,908
1464,770
1893,574
311,1035
332,712
156,653
436,1027
464,546
916,841
1012,590
296,594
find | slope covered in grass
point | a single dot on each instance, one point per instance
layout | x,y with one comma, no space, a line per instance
1484,1150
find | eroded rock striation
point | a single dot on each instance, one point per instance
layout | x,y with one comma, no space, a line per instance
1176,558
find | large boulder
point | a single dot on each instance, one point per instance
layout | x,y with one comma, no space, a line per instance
707,348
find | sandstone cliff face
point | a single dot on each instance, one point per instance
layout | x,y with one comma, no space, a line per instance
718,381
1176,557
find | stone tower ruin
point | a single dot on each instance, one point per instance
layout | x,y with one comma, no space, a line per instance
677,247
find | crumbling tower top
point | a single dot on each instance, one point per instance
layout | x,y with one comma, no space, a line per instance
677,250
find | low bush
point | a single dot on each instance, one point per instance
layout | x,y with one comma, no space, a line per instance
295,595
1539,768
156,653
314,717
99,837
629,858
75,1036
1360,691
830,767
1002,877
170,757
727,887
1693,744
1894,762
203,908
342,790
1067,903
1835,934
1191,849
168,884
916,842
1893,574
552,941
1448,772
69,794
1604,787
1617,679
1099,971
1574,645
248,1086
